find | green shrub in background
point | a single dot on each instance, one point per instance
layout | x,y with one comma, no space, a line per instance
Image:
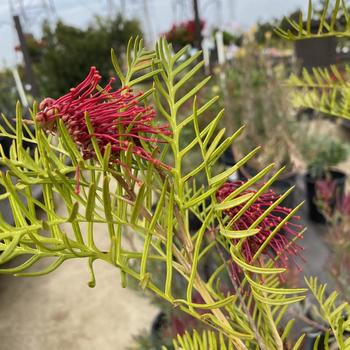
254,94
61,55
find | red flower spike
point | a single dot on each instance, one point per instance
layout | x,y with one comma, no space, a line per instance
282,243
116,117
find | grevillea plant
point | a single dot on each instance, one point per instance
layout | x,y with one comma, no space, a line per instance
106,156
103,156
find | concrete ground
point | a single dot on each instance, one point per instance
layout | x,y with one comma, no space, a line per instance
59,311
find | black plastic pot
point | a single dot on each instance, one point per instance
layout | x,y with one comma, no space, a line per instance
245,172
6,144
282,185
339,178
310,340
159,323
228,158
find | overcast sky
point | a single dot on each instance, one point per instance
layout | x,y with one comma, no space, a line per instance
230,14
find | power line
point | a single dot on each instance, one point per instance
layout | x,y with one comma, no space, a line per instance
33,12
26,57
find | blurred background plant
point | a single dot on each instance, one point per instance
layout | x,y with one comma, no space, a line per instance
322,154
336,209
183,34
8,92
229,38
255,95
60,56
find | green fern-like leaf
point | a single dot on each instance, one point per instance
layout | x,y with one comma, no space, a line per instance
324,90
333,313
326,24
206,341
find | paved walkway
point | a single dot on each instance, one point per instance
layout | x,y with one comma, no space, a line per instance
60,311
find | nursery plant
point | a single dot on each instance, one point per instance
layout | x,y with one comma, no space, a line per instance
105,156
249,78
324,90
57,55
93,136
182,34
338,224
323,154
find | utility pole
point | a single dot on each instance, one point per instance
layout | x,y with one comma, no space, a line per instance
27,15
27,60
197,26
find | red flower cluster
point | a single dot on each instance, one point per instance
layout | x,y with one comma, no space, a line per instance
183,33
117,118
282,243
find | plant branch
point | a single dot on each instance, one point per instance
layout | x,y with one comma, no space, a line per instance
258,337
309,322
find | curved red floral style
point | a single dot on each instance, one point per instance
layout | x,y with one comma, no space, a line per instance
282,244
117,118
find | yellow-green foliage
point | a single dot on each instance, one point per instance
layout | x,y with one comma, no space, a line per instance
327,24
245,319
333,313
324,90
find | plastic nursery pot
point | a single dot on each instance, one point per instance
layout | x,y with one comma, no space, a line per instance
166,326
310,340
228,158
339,178
159,324
282,185
246,172
6,144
